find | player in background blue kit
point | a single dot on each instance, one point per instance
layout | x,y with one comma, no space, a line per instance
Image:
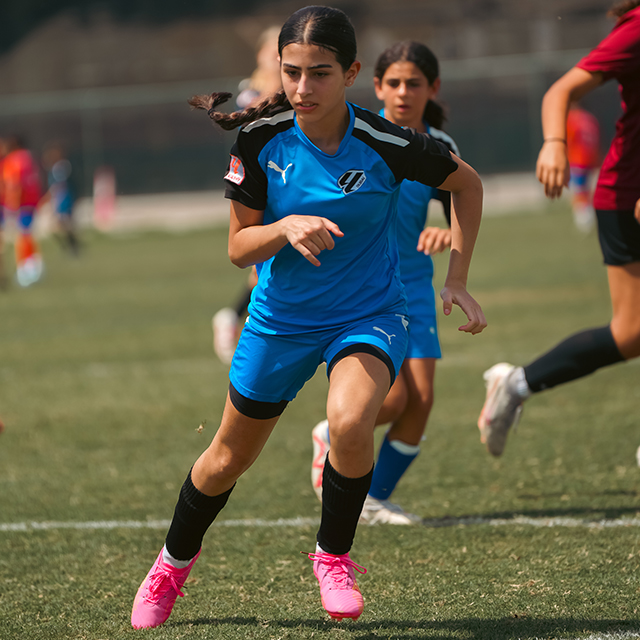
61,195
407,80
313,183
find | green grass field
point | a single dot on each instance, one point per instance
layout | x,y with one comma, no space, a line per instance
107,370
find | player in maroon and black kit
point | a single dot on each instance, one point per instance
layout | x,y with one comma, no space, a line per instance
617,204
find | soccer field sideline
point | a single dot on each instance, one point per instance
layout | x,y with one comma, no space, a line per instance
429,523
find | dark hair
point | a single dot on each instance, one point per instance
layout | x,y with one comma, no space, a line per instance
620,8
323,27
426,61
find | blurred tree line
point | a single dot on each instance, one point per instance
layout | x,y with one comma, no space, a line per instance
19,17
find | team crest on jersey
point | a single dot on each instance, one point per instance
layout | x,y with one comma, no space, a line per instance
351,180
236,170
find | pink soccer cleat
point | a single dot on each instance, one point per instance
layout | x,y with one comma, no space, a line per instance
157,594
339,591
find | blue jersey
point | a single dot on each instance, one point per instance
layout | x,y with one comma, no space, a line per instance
416,268
275,168
61,193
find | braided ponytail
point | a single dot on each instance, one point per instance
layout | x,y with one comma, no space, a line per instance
317,25
270,106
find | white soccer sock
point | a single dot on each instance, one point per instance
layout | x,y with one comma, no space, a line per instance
520,383
404,448
169,559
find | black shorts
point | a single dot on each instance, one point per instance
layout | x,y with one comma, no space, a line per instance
619,235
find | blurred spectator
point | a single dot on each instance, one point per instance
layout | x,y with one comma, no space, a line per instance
61,194
21,195
264,81
583,153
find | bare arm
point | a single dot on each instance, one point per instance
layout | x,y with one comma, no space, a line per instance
251,242
434,240
552,168
466,190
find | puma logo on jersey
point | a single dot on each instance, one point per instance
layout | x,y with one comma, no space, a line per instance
351,180
393,335
283,172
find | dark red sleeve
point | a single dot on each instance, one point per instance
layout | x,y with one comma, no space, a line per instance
619,53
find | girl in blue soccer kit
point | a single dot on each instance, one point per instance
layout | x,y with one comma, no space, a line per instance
407,80
314,183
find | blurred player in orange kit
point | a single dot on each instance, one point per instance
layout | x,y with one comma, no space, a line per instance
583,153
21,196
3,275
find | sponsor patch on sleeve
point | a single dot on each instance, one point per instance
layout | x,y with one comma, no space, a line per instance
236,170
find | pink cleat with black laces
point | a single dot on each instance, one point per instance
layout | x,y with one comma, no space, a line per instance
339,591
157,594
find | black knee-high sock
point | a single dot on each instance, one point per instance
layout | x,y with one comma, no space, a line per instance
342,500
192,517
575,357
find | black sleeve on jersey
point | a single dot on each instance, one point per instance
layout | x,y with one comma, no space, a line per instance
410,155
427,160
445,198
252,191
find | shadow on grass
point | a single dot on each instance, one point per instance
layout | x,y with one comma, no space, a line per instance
468,628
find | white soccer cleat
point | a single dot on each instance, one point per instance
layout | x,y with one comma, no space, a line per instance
384,512
584,218
29,271
502,407
320,435
225,332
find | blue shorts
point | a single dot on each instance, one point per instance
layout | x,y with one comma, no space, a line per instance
273,368
423,337
25,217
423,334
579,180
